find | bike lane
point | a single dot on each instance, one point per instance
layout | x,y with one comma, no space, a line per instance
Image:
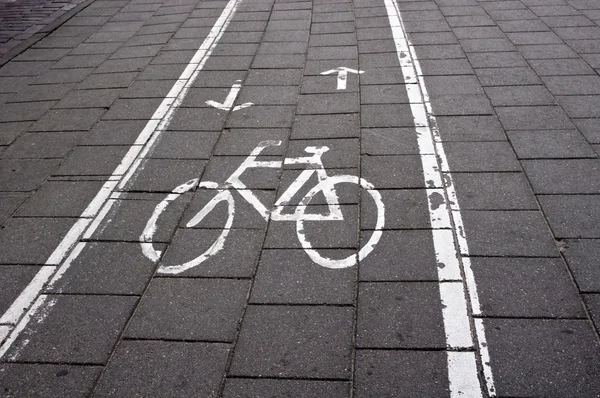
260,315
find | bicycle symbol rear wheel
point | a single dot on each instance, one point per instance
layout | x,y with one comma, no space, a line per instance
368,246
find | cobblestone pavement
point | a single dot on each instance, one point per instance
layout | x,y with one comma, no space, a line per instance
326,198
22,19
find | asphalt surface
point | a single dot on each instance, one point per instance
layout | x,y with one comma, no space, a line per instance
164,233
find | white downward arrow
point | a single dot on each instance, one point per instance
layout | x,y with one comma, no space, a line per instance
342,76
228,103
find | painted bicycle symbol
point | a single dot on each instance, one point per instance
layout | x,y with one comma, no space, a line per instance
325,185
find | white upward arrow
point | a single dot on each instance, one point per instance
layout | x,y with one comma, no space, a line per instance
228,103
342,76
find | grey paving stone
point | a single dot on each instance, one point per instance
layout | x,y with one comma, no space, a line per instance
378,76
580,106
184,145
217,63
286,36
312,341
413,373
396,254
507,76
68,120
241,142
13,280
333,40
9,202
43,54
564,176
148,89
589,128
386,116
278,61
205,119
470,128
269,95
478,32
400,315
113,132
16,68
562,354
46,380
581,256
453,85
21,112
561,67
526,287
263,77
164,72
338,53
60,199
389,141
393,171
592,302
190,309
164,175
95,48
92,160
497,60
292,47
76,330
220,168
486,45
572,216
573,85
519,95
461,105
127,109
533,118
25,174
291,277
329,234
108,80
494,191
383,94
141,368
316,67
89,99
404,209
127,219
262,117
508,233
238,259
10,131
42,92
107,268
123,65
328,103
547,51
481,156
280,388
43,145
335,27
326,126
431,67
341,153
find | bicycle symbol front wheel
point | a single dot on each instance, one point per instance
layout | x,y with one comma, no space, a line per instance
368,247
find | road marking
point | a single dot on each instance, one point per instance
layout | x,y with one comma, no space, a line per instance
342,75
462,363
228,103
325,185
21,310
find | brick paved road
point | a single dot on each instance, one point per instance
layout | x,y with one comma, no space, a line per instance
21,19
494,292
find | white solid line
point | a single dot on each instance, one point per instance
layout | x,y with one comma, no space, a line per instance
100,205
462,372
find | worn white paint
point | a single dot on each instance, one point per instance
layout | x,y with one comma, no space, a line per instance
342,75
99,207
230,99
325,185
454,291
